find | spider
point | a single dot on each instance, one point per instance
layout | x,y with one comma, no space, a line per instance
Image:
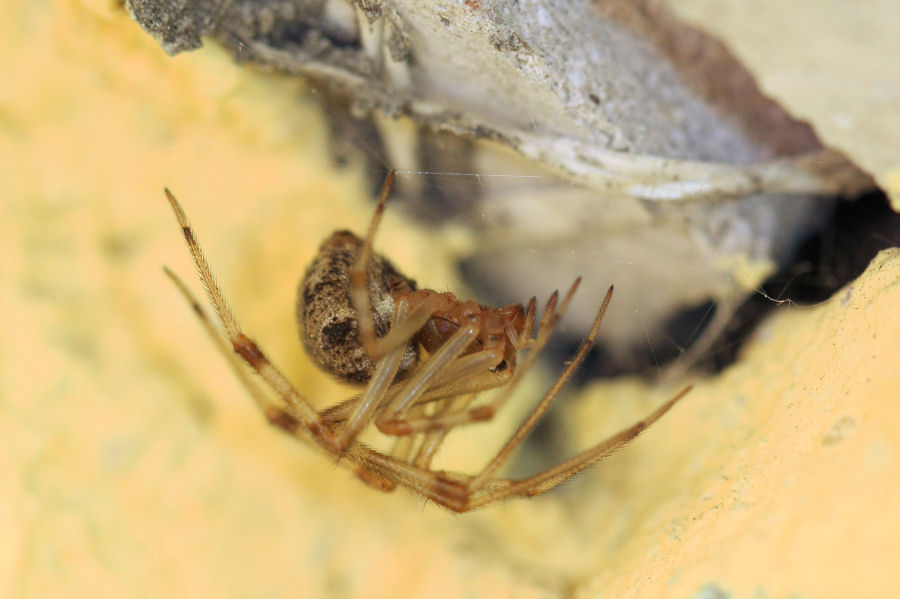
423,358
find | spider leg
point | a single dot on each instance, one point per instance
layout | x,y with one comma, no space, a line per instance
373,400
359,289
468,374
522,341
458,492
546,480
531,421
425,431
453,414
338,413
279,416
458,417
370,402
400,334
464,377
433,440
549,319
405,445
446,489
425,445
273,413
299,408
419,382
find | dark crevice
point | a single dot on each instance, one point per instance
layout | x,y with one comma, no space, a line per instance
826,261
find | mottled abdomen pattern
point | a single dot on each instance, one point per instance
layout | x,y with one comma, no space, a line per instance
329,328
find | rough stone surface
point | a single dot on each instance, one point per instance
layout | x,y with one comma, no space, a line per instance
603,102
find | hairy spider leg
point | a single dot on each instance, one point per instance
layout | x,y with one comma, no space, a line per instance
246,347
359,292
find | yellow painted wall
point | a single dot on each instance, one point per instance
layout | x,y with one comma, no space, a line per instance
133,464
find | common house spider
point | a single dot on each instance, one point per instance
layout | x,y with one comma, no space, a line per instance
423,357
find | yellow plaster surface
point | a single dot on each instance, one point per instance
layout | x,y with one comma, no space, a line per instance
133,464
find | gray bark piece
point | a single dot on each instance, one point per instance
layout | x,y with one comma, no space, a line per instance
611,110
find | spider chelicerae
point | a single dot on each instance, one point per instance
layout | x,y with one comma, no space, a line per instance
423,357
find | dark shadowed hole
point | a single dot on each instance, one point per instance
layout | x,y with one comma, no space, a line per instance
823,263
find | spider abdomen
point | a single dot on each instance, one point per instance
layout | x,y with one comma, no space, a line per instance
329,328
